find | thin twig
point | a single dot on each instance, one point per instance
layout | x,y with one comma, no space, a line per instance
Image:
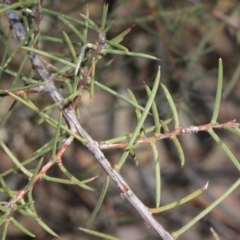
175,132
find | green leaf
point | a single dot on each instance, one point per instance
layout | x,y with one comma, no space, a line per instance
31,209
86,24
180,201
4,234
233,130
132,54
17,5
28,213
22,88
19,72
141,121
90,22
109,90
70,46
121,36
73,28
205,211
106,29
65,101
45,54
92,83
176,143
23,205
225,148
36,169
133,99
24,78
45,227
67,181
218,93
104,15
172,107
98,234
8,114
14,159
40,152
155,114
157,174
100,200
179,149
57,14
2,218
5,187
73,179
214,233
56,138
22,228
116,45
137,111
105,66
18,47
47,118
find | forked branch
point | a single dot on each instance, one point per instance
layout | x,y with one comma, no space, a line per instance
73,124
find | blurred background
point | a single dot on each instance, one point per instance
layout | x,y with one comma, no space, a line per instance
189,37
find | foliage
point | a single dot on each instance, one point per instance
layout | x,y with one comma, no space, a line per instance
67,77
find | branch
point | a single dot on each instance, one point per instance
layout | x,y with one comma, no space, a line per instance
71,119
178,131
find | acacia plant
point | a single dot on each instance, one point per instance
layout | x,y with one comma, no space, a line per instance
65,78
